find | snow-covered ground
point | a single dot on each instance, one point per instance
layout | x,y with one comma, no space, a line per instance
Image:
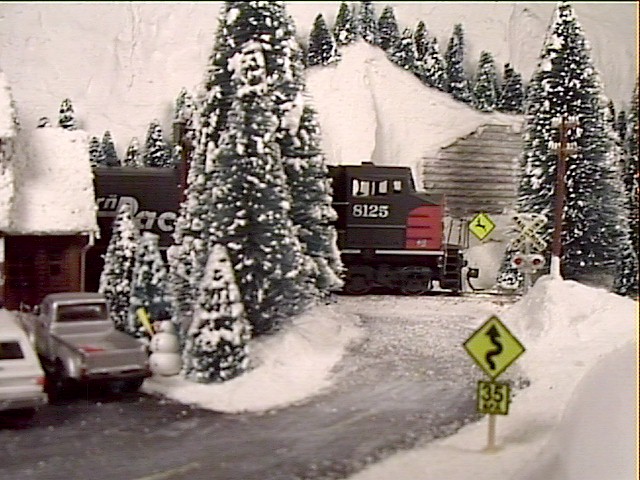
577,419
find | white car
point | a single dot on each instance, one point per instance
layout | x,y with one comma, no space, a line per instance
22,379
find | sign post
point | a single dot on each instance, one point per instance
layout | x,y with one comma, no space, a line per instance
481,226
493,347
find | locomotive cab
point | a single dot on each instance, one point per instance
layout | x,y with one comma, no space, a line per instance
389,234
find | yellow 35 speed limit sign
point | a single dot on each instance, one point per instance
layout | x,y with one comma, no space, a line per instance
493,398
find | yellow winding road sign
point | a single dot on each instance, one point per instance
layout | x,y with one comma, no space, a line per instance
493,347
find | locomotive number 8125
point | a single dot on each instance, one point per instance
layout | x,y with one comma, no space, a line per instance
390,235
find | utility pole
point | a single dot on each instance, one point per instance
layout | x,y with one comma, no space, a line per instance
564,150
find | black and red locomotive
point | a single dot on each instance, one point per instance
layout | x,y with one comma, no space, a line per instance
390,235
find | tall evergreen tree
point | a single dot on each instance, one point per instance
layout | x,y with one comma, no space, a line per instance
117,273
185,112
133,155
322,48
454,59
67,118
251,215
404,54
566,84
110,156
157,152
95,152
366,23
148,285
511,96
344,27
388,31
485,87
216,347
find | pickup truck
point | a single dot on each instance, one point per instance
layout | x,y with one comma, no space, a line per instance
77,342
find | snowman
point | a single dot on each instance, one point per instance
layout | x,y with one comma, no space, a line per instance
165,358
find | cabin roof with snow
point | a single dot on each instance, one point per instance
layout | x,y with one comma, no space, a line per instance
46,181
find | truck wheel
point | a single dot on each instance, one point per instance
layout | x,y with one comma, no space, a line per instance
127,386
57,384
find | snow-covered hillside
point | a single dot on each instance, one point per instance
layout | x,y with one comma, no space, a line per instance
124,63
371,109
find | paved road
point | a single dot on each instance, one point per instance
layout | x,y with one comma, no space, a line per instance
408,383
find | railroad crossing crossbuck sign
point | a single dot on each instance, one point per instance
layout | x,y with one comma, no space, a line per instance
481,225
493,347
529,225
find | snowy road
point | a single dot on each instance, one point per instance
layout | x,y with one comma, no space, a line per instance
406,383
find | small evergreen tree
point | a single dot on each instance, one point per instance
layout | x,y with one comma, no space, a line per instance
148,286
366,23
117,273
485,87
322,48
95,153
404,54
185,112
631,171
157,151
133,156
344,27
454,59
432,67
621,125
511,97
67,119
216,347
311,211
421,38
109,154
388,32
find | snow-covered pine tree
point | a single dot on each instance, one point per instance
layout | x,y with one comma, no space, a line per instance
67,118
251,213
432,68
366,27
630,170
157,152
344,27
216,347
133,155
454,60
404,54
421,38
185,112
109,154
95,152
117,273
188,254
511,96
485,86
148,285
311,211
388,31
626,266
566,84
621,125
322,48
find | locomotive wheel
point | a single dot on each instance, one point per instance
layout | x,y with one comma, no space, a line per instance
415,281
357,285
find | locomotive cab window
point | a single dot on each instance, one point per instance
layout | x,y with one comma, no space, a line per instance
374,188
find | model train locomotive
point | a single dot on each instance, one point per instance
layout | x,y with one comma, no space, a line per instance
390,236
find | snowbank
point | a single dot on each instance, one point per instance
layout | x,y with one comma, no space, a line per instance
567,329
288,367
